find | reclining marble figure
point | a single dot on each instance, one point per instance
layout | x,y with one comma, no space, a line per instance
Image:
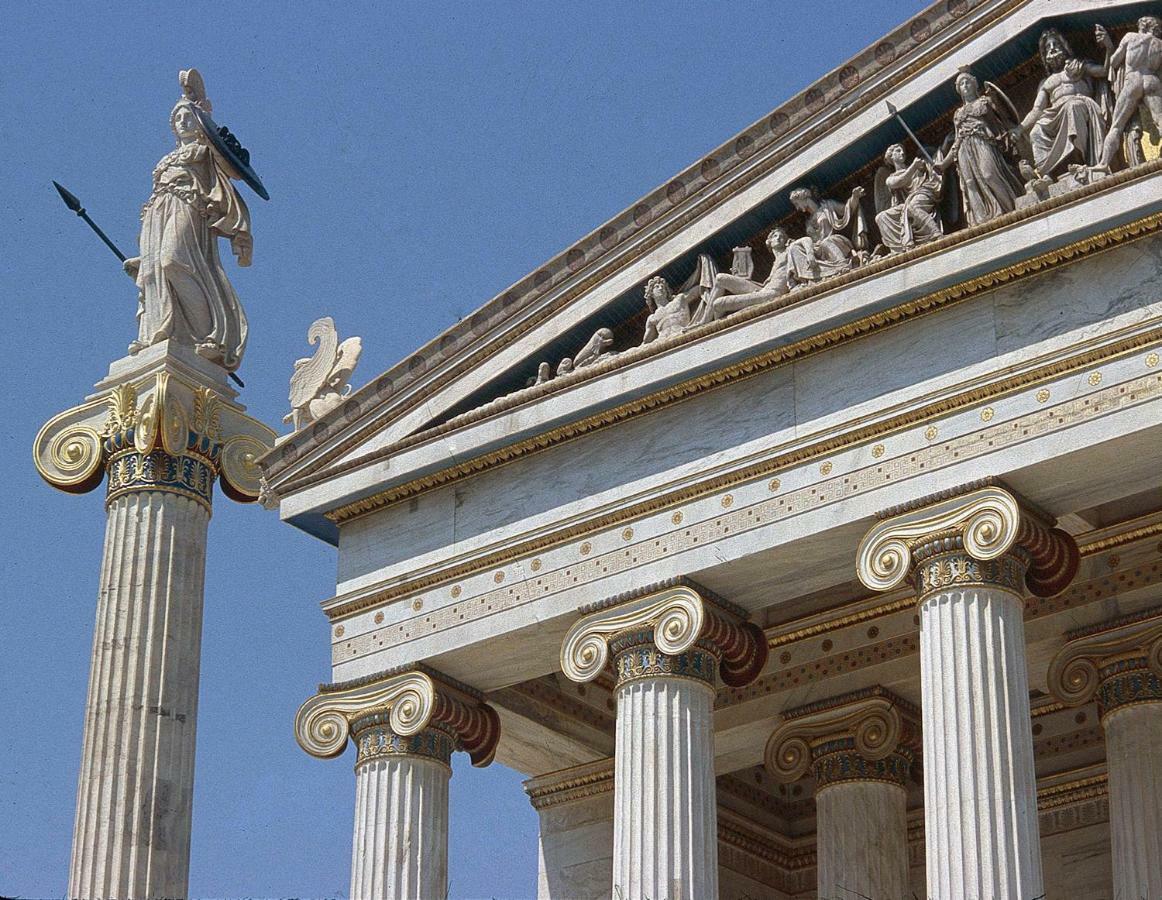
731,293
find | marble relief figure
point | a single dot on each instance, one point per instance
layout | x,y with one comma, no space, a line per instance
993,162
183,292
908,199
989,185
731,292
827,250
669,312
1136,72
1066,124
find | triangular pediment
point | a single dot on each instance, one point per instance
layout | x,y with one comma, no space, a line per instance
832,136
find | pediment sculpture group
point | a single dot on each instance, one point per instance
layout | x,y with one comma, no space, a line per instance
1086,114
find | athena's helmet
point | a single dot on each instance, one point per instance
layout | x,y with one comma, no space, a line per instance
235,157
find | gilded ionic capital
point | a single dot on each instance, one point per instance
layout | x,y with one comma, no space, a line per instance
416,712
867,735
983,535
676,630
158,427
1119,662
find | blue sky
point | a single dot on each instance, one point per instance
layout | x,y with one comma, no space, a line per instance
420,158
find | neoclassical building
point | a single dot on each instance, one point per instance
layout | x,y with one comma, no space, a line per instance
798,532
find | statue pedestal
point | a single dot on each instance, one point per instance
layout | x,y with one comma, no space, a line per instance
160,428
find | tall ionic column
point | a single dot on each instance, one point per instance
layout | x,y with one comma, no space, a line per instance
163,427
971,555
860,748
405,725
1120,662
669,647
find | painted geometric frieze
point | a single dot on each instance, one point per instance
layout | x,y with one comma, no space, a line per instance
157,433
415,712
867,735
567,785
674,631
790,484
983,535
1118,662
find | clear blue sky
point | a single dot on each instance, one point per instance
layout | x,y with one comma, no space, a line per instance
420,158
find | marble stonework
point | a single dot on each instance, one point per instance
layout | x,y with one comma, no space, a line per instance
782,147
524,528
160,430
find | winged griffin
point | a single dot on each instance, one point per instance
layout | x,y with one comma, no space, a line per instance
320,383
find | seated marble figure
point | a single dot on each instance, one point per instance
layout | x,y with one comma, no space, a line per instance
1067,123
826,250
730,292
908,198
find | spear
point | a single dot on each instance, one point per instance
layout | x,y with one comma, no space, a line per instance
895,112
74,204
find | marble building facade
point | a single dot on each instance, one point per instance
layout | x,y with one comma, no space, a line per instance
847,585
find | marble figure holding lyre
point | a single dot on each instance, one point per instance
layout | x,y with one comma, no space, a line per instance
731,292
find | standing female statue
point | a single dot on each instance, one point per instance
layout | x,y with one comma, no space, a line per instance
183,292
989,185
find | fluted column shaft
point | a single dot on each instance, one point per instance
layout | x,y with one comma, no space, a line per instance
860,748
861,840
665,836
131,835
971,553
980,801
400,845
1119,663
1134,760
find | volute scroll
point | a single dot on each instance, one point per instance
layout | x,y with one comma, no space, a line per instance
679,616
984,523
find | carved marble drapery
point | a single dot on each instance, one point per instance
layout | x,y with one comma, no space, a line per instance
860,748
971,555
405,726
1119,663
669,648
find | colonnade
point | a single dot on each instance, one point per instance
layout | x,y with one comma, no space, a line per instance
971,556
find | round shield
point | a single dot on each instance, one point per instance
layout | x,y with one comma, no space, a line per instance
232,151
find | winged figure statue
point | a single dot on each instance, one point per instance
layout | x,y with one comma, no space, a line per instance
320,382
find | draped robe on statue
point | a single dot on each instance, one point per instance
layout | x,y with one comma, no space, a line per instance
1071,128
825,251
184,293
